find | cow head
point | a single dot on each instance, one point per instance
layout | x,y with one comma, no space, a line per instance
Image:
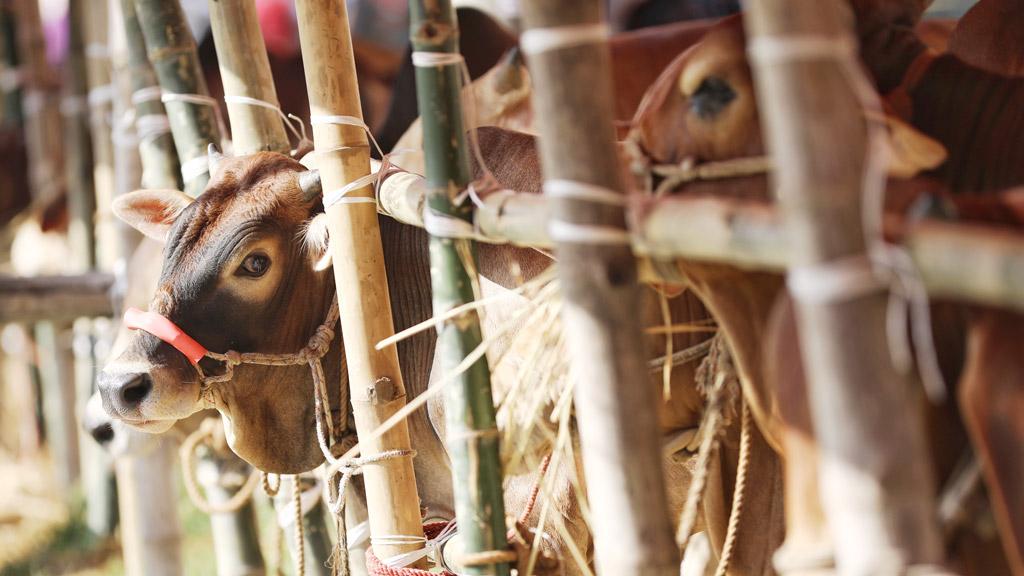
702,108
236,275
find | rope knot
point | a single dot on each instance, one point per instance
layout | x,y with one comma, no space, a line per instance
233,358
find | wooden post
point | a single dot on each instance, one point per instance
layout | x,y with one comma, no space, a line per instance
150,526
40,104
471,429
236,541
172,52
615,408
375,381
876,482
245,71
55,360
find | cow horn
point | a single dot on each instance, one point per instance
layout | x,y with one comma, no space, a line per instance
213,157
309,183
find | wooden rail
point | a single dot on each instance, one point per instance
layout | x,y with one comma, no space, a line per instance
55,297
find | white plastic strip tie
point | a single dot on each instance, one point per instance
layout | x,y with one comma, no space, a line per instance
775,49
442,225
101,95
571,233
431,546
148,94
10,79
198,99
73,105
539,40
469,118
194,168
575,190
835,281
152,126
359,535
290,120
340,196
97,50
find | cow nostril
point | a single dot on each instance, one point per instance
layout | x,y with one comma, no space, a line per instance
103,433
136,390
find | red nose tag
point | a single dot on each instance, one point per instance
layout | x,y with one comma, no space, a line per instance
165,330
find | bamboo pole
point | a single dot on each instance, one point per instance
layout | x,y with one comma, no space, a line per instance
10,74
55,361
101,93
877,488
172,53
468,403
618,424
376,388
160,168
40,104
245,71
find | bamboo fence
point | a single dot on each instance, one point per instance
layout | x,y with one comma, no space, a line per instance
471,428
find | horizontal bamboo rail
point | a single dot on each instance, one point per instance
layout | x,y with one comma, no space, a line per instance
55,297
961,261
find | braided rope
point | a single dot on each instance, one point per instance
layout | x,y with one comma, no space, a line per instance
187,453
300,536
738,495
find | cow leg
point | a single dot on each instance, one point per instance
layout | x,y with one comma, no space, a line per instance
992,401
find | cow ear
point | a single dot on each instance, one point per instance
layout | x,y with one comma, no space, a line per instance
151,211
910,151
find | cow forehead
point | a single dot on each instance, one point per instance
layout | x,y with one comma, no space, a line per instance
245,194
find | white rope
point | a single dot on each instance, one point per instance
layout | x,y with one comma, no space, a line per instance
32,101
575,190
907,292
148,94
572,233
431,546
539,40
101,95
310,498
340,196
290,120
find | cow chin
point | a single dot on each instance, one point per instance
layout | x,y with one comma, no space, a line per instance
271,437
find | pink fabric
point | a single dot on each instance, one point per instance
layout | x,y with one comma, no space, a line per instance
280,31
165,330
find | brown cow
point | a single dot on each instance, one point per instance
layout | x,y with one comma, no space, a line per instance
707,96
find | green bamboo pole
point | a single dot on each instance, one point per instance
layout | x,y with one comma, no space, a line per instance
10,111
160,168
172,52
469,406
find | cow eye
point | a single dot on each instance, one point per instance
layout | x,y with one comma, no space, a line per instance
254,265
711,97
